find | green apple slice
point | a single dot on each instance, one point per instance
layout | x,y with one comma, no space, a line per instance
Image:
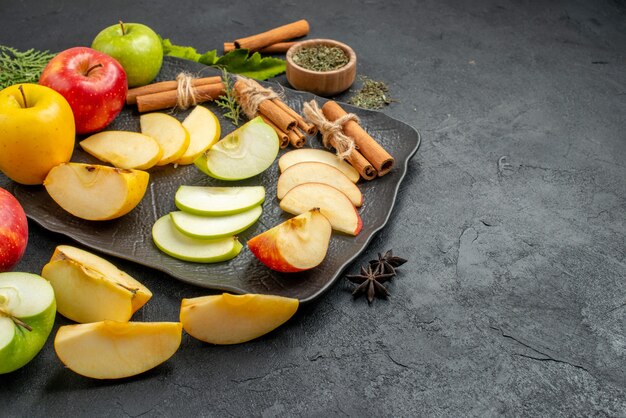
242,154
217,201
178,245
212,227
27,312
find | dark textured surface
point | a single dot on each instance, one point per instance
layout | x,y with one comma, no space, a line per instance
129,237
512,215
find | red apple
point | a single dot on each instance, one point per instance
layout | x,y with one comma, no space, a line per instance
13,231
93,83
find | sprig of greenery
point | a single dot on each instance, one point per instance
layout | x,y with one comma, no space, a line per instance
227,101
21,66
237,61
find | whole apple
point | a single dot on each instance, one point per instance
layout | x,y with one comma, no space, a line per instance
36,132
93,83
13,231
137,47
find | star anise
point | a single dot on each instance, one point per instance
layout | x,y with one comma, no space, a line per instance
388,261
370,282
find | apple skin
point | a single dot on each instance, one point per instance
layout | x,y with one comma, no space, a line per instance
13,231
137,47
93,83
35,138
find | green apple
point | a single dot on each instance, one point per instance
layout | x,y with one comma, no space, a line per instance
178,245
136,47
211,227
244,153
27,311
216,201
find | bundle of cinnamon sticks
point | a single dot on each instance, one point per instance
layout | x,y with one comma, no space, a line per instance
290,127
166,94
272,41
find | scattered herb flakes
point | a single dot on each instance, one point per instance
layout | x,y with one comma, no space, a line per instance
227,101
21,66
373,94
320,58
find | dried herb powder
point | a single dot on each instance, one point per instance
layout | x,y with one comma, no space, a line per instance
373,95
320,58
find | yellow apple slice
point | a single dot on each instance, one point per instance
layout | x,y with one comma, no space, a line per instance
311,171
88,288
234,319
311,154
204,131
297,244
96,192
114,350
168,132
124,149
333,204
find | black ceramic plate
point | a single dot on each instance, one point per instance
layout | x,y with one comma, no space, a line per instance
129,237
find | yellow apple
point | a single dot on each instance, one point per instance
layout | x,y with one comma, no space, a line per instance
36,132
88,288
204,131
96,192
168,132
114,350
124,149
234,319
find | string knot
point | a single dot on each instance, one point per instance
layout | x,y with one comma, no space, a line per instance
332,131
251,95
185,91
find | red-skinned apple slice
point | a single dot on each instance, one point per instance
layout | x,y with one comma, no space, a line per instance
316,172
312,154
333,204
297,244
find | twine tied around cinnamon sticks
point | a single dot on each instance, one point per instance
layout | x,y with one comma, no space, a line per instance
251,95
332,132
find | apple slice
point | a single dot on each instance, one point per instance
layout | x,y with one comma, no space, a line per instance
216,201
244,153
96,192
114,350
312,154
333,204
124,149
178,245
27,311
204,131
297,244
234,319
168,132
314,172
88,288
212,227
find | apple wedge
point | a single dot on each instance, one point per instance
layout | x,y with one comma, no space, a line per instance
178,245
315,172
96,192
297,244
204,131
114,350
217,201
244,153
333,204
88,288
212,227
312,154
168,132
234,319
124,149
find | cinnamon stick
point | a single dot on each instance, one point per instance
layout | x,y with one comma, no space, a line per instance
358,161
379,158
278,48
273,36
169,98
297,139
131,96
267,108
283,138
302,124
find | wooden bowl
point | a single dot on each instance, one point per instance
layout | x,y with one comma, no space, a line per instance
322,83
